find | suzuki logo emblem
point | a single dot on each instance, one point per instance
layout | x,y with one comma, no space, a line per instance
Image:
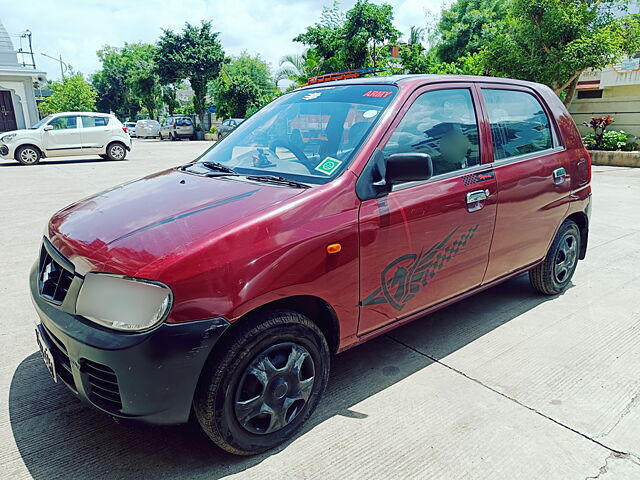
46,273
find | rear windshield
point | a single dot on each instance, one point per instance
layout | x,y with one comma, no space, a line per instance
308,135
183,122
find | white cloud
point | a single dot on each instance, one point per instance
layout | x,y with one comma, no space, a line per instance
77,29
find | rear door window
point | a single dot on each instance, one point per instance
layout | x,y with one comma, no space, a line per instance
89,121
519,124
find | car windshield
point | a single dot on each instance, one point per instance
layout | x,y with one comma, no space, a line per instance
308,135
42,122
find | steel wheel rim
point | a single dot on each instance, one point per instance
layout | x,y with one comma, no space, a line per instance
566,257
117,152
274,388
28,155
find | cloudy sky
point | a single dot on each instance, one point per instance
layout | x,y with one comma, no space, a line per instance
75,29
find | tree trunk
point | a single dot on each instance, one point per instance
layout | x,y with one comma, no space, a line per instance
571,91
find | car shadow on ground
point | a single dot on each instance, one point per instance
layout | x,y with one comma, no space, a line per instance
57,436
46,161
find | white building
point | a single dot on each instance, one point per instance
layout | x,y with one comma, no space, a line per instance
18,107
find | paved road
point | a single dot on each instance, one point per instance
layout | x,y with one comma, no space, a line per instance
503,385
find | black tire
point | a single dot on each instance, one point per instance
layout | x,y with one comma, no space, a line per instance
554,274
160,136
173,137
28,155
226,382
116,151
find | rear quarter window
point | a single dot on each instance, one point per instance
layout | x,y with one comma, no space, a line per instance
519,124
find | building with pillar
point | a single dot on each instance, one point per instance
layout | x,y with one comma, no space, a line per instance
18,108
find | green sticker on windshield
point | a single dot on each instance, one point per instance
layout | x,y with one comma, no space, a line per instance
328,165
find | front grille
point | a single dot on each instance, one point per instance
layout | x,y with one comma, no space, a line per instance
53,279
61,359
103,385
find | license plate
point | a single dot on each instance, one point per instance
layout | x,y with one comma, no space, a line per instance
47,356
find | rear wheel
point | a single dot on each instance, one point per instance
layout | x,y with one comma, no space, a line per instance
28,155
554,274
116,151
264,383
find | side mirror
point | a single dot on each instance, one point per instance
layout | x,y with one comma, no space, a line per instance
46,128
408,167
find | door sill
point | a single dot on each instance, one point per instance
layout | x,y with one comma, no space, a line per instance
445,303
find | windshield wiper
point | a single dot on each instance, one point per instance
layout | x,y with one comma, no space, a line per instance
277,180
219,167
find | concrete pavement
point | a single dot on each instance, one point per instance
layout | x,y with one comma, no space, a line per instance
503,385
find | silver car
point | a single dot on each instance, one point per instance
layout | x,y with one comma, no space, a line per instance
131,128
147,129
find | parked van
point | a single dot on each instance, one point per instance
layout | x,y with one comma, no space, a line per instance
177,128
331,216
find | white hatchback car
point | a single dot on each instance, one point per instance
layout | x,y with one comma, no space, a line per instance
67,134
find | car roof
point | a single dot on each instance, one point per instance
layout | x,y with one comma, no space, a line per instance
412,80
95,114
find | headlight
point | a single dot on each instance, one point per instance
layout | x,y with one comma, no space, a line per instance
8,138
123,303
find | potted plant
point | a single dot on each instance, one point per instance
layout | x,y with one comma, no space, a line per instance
211,134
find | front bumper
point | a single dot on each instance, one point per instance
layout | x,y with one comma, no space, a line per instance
150,376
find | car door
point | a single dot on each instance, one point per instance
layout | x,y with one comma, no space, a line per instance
95,131
63,138
426,242
534,191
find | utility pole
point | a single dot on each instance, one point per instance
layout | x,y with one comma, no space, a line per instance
62,70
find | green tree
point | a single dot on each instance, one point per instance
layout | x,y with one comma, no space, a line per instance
71,94
144,80
235,94
466,26
325,40
254,68
299,68
194,54
127,80
554,41
352,40
367,27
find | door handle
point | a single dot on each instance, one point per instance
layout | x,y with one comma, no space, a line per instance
475,199
559,175
477,196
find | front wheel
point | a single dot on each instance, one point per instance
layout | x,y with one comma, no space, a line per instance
28,155
116,151
264,383
554,274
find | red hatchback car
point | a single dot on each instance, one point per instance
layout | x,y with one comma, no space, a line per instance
334,214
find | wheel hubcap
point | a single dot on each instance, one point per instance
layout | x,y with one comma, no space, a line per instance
117,151
566,257
28,155
274,388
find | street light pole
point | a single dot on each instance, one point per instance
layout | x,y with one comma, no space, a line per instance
62,70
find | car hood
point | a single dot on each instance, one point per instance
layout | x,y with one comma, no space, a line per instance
23,131
129,227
